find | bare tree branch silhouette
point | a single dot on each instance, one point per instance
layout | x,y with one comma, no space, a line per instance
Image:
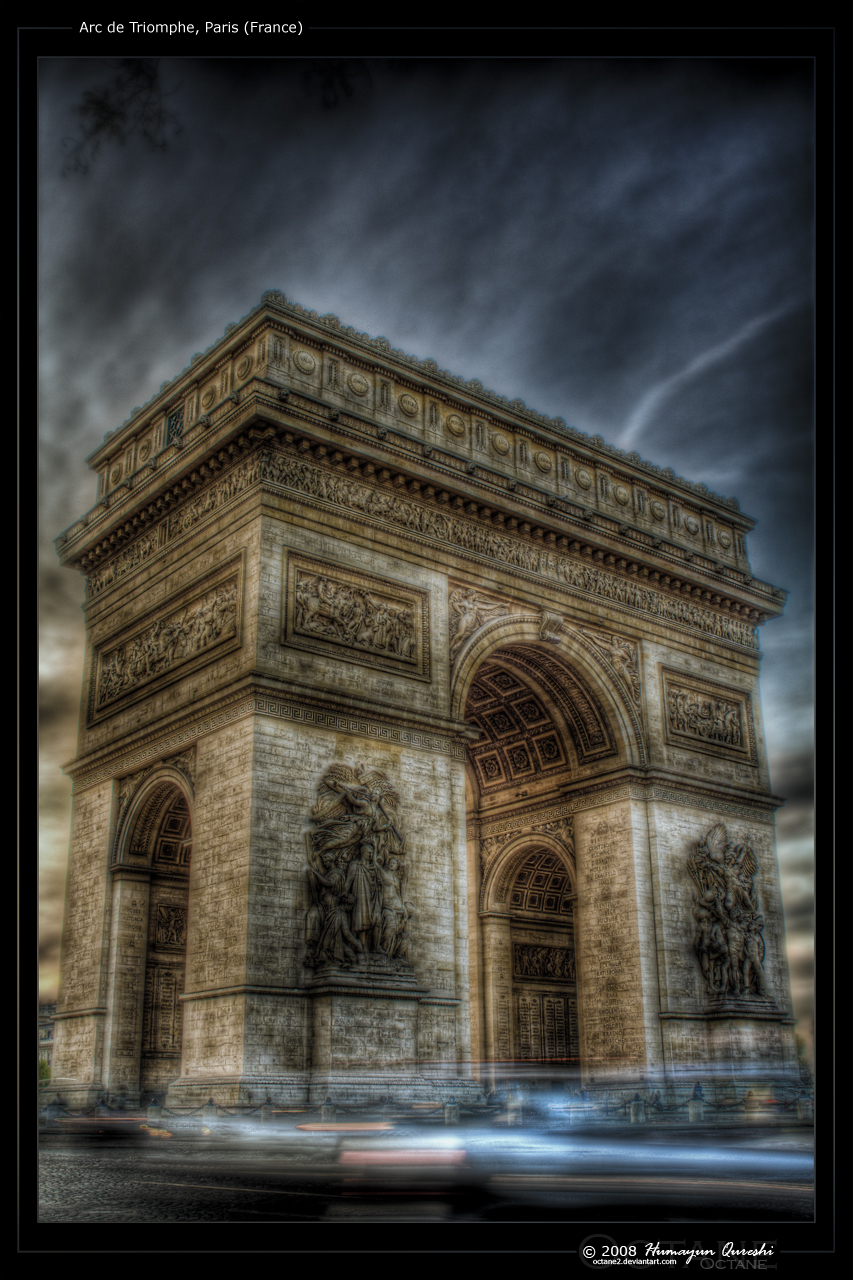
132,104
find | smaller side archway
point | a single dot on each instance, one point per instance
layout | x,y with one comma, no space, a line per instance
530,1005
151,860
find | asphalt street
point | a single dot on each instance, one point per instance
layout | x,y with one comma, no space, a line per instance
403,1175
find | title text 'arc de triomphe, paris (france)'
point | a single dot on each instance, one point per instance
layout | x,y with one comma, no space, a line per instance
420,740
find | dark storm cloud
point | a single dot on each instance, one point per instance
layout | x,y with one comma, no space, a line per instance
624,244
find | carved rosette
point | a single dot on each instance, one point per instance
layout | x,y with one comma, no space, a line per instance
357,873
729,927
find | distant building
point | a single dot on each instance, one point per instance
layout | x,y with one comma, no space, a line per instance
46,1016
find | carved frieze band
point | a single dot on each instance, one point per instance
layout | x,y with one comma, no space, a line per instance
709,717
203,621
346,613
324,486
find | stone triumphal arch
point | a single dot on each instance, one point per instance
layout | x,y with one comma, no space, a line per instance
420,746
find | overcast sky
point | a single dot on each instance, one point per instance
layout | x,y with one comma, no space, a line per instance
626,244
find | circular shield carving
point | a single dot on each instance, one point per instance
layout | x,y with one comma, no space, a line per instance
208,397
408,405
621,494
358,385
658,510
144,451
115,475
304,361
455,425
724,539
692,526
244,366
584,479
542,461
500,444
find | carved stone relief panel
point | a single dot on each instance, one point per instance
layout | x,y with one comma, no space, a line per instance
170,927
347,614
545,963
201,623
358,873
708,717
729,926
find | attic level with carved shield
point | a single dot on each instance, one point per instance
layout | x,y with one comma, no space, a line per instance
420,748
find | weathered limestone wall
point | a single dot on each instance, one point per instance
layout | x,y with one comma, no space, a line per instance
614,923
85,932
85,942
217,930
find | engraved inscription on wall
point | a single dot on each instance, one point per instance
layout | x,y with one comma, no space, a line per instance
708,717
344,613
546,1026
609,960
161,1019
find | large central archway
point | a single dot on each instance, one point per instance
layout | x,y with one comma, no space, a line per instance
550,717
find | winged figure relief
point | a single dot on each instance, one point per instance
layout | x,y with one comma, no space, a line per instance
468,612
728,939
358,872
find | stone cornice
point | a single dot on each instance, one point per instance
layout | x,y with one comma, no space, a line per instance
97,1011
241,989
424,374
257,697
632,785
752,1013
140,448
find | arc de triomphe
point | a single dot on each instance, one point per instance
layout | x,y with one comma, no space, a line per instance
420,742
